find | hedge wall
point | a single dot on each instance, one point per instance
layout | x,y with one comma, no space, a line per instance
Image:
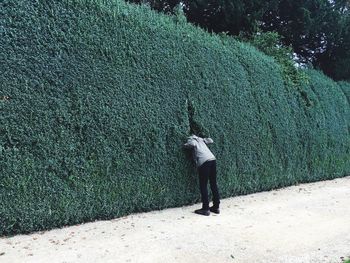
97,97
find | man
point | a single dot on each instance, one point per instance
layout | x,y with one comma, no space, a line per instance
206,164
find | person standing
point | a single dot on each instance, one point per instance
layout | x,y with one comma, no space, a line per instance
206,165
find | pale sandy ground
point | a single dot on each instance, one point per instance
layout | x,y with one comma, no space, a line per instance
304,223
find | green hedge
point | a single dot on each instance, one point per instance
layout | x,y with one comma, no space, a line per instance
97,97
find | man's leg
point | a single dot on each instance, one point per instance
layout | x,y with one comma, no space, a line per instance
203,172
213,184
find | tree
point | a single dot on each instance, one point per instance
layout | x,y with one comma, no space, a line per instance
232,16
335,61
316,29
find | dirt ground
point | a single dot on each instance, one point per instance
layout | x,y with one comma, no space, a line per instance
303,223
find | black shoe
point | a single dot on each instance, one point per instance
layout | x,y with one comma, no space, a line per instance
214,210
204,212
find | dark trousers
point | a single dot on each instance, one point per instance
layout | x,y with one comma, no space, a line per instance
207,171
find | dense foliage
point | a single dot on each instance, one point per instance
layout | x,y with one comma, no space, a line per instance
271,44
317,30
97,97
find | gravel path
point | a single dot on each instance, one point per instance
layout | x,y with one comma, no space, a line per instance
303,223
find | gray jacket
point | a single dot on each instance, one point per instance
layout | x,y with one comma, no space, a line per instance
201,150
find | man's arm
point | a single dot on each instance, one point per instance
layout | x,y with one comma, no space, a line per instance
208,140
189,144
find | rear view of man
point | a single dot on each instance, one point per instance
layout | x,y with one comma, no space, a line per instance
206,165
